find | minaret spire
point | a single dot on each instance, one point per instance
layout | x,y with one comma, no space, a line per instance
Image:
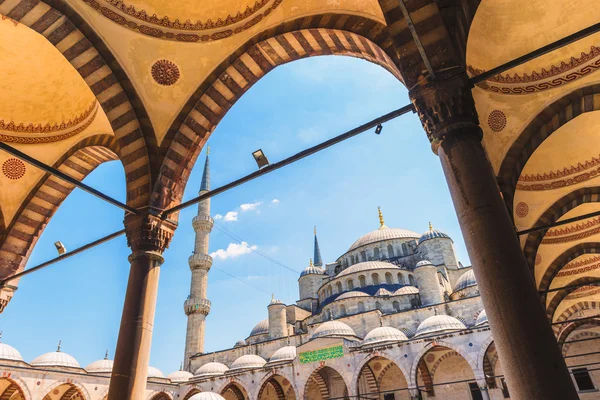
197,306
317,255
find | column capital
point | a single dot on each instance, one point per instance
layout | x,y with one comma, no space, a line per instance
148,233
445,105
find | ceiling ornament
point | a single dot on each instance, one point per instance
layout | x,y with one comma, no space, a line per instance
14,132
547,78
560,178
577,271
166,28
5,18
497,121
522,209
13,168
165,72
584,291
574,232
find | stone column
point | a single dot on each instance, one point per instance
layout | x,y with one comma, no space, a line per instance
148,237
530,356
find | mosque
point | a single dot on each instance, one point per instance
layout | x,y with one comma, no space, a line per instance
396,317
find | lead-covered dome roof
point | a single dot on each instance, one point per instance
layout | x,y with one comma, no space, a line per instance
481,318
260,328
404,290
424,263
466,280
439,324
333,328
180,376
211,369
384,334
248,361
55,359
286,353
384,233
9,353
351,294
104,366
312,270
155,373
433,234
207,396
367,266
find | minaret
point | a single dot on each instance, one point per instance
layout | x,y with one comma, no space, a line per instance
317,257
197,305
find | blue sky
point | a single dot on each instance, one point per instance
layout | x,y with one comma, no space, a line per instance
79,300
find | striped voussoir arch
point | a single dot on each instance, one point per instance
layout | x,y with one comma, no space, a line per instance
279,393
426,377
92,67
13,391
585,335
243,72
547,122
574,309
562,294
45,198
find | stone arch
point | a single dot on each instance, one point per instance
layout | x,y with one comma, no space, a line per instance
72,389
15,387
191,391
90,57
374,382
572,327
283,381
46,196
547,121
160,395
261,54
562,294
234,390
580,306
581,335
319,378
485,364
553,214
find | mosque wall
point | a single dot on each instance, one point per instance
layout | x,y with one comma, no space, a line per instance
439,251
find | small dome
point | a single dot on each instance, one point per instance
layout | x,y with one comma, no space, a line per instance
383,233
55,359
432,234
211,369
384,334
367,266
439,324
424,263
312,270
406,290
333,328
383,292
207,396
155,373
100,367
260,328
286,353
248,361
9,353
466,280
481,318
180,376
351,294
240,343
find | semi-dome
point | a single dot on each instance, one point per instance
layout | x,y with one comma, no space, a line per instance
439,324
481,319
351,294
207,396
384,334
367,266
180,376
55,359
333,328
432,234
248,361
211,369
240,343
9,353
155,373
383,292
424,263
260,328
466,280
404,290
384,233
286,353
104,366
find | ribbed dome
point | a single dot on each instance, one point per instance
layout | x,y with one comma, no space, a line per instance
240,343
100,367
384,334
248,361
367,266
312,270
155,373
383,292
424,263
466,280
333,328
439,324
481,318
211,369
260,328
55,359
9,353
406,290
286,353
180,376
384,233
207,396
351,294
432,234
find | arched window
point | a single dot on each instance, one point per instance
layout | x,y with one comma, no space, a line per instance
404,249
411,280
401,279
390,251
329,291
388,278
361,306
350,284
375,278
363,255
362,281
337,269
376,251
396,306
327,315
342,310
338,287
351,260
413,303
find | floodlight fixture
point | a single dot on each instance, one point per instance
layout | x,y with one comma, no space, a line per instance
378,129
260,158
60,248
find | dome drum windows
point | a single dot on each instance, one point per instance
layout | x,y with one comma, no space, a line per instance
388,278
390,250
376,253
375,279
362,281
350,284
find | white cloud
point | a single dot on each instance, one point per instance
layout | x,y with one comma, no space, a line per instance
308,135
233,250
218,216
275,201
250,206
231,216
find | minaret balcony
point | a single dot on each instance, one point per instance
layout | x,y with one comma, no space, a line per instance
196,306
200,261
203,223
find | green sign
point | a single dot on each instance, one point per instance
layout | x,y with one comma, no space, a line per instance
321,354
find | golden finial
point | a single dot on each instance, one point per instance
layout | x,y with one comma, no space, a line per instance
315,230
58,349
382,224
208,150
311,264
106,355
430,227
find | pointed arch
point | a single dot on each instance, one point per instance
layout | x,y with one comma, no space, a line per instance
374,374
562,294
569,312
234,390
11,387
282,385
67,391
317,384
160,395
191,392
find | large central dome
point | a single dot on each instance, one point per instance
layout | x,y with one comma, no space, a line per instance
384,233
